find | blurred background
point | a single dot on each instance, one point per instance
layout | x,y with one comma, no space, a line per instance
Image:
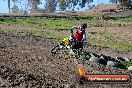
42,6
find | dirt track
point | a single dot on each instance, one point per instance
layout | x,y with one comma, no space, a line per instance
28,61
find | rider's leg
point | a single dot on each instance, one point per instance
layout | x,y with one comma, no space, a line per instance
72,41
80,45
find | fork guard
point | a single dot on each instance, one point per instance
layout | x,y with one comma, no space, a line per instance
57,48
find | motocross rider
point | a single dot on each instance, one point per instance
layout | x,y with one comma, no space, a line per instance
78,37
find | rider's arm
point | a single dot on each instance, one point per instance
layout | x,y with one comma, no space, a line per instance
84,36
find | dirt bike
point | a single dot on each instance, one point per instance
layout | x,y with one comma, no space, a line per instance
65,47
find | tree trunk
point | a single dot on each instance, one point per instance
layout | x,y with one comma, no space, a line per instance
9,6
116,1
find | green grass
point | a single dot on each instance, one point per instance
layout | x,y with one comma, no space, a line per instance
127,63
47,23
7,20
129,19
107,39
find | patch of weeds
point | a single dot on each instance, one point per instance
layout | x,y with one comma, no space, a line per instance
127,63
129,18
107,39
7,20
81,54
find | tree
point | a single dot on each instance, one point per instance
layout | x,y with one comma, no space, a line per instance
35,3
71,4
123,3
130,4
9,6
25,6
62,5
126,3
15,8
114,1
84,2
51,5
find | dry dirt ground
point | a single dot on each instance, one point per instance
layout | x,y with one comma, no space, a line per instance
26,62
